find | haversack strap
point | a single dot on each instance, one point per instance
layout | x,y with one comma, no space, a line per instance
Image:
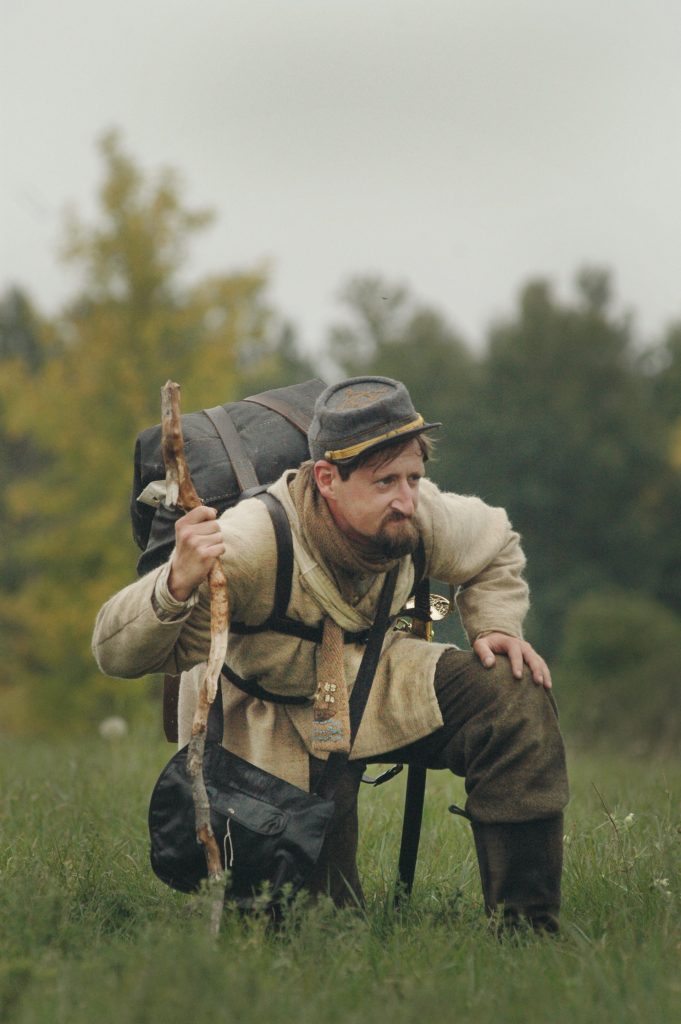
294,416
336,762
282,533
253,688
244,471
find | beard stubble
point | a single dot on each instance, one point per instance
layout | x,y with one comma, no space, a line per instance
398,536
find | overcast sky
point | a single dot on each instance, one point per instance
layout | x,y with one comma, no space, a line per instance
459,146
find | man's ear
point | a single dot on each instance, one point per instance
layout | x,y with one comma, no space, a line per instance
326,477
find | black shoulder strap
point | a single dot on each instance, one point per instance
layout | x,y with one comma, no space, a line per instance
367,668
278,621
419,560
282,533
336,762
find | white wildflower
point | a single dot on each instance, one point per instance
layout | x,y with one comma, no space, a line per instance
113,728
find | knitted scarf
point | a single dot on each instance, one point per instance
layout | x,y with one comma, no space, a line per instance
347,560
337,551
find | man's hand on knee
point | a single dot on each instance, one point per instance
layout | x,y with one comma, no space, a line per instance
518,652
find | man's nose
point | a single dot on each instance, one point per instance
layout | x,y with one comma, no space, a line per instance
403,501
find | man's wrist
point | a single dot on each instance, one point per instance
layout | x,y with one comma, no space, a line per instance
167,605
176,589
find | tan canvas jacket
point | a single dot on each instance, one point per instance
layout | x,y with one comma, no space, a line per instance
468,544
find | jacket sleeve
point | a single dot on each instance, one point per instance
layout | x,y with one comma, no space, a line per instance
473,546
142,629
138,630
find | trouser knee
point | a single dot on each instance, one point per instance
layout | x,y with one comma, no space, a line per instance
502,734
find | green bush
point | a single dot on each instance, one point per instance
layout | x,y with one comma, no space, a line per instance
618,673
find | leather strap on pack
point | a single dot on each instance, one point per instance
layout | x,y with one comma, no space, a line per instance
241,464
253,688
294,416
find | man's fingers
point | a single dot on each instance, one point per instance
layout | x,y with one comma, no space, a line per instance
198,514
542,675
539,670
519,653
199,521
198,531
510,646
484,652
211,552
198,543
515,656
201,536
537,666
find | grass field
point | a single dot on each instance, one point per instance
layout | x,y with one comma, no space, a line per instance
88,934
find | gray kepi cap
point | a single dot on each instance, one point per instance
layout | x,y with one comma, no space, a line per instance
361,414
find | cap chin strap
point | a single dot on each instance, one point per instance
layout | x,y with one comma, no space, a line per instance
357,449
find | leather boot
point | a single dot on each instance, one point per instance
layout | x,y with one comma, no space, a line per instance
335,873
520,868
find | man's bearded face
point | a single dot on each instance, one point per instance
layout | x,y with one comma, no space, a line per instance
378,503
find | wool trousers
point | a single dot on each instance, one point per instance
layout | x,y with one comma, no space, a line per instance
501,735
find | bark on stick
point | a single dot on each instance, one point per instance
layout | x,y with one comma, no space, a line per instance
180,491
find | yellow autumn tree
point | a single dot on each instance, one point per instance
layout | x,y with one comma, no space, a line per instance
132,325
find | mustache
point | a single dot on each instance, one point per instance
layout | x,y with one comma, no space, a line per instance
397,517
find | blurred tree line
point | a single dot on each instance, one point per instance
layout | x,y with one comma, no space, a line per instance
561,417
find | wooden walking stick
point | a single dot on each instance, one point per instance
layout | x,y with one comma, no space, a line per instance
180,492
